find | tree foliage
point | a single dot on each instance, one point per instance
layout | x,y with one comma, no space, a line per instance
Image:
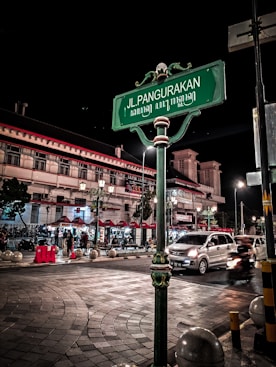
145,203
13,197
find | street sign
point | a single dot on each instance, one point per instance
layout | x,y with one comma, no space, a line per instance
240,35
176,95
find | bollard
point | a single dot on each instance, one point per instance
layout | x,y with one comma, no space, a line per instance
112,253
269,308
199,347
17,256
93,254
235,329
257,312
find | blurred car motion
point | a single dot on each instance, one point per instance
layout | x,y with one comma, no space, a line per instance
258,243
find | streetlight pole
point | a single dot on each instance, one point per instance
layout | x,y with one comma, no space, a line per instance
101,184
143,191
239,185
236,214
208,218
242,218
99,193
210,212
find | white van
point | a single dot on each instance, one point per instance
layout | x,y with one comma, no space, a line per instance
201,250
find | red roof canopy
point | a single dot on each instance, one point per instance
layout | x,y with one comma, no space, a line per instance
93,223
63,219
78,220
109,223
122,223
145,225
134,225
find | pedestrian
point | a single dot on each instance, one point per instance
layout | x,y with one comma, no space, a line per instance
147,245
151,243
84,242
124,243
56,236
60,238
114,241
69,243
3,240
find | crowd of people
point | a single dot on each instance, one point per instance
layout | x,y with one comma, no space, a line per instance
3,239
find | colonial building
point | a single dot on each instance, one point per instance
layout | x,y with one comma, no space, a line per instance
62,171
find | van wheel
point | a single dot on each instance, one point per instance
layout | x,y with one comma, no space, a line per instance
202,267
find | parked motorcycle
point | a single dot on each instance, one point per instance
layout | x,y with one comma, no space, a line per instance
26,244
240,265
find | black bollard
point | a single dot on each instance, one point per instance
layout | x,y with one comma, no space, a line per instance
235,329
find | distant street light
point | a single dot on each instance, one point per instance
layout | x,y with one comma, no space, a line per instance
239,185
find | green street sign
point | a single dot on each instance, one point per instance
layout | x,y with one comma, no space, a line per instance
176,95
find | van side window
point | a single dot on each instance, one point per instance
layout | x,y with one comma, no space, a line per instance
214,240
222,240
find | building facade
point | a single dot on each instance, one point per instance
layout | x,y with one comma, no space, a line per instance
62,171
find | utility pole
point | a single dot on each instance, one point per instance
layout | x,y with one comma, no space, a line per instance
243,31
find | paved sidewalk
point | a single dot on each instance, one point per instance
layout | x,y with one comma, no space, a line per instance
116,324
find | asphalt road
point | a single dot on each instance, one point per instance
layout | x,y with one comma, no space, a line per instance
214,277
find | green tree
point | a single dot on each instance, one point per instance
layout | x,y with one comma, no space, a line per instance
13,197
145,202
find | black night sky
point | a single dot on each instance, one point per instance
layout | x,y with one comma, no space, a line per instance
68,63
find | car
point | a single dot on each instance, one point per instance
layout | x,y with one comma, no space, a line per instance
258,243
201,250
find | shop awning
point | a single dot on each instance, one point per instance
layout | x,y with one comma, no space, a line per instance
78,221
122,223
93,223
109,223
134,225
145,225
63,219
152,226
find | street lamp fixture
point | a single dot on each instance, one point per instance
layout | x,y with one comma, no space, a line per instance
209,214
239,185
82,186
99,193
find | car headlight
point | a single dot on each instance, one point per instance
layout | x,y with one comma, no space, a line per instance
193,252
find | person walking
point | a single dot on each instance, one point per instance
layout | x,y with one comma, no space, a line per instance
84,242
69,242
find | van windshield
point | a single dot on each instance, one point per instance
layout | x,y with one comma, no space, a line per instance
191,239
